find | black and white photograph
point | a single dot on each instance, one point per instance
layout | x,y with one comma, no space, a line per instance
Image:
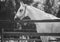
29,20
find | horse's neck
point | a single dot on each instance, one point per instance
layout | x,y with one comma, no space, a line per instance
29,13
37,14
32,13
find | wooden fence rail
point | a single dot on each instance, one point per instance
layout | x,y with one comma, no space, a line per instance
31,33
46,20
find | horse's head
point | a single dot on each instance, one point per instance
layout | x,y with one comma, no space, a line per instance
21,11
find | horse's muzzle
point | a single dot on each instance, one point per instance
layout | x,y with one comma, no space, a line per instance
16,19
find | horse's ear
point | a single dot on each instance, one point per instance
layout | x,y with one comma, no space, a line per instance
21,3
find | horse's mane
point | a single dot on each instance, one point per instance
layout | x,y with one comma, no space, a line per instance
40,12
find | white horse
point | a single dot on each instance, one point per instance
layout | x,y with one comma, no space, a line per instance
36,14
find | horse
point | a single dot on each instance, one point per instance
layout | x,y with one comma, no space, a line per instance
36,14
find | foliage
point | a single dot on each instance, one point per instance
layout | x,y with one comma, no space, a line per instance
52,7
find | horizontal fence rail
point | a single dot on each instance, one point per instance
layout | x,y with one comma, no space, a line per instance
46,20
23,30
33,33
22,39
28,39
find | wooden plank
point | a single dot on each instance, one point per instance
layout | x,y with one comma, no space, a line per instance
46,20
21,39
31,33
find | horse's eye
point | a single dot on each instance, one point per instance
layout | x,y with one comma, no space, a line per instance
21,10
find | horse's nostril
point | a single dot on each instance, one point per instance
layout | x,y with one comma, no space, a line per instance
17,19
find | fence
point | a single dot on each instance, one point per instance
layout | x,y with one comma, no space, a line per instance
11,34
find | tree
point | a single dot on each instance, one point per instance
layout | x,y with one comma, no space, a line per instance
52,7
